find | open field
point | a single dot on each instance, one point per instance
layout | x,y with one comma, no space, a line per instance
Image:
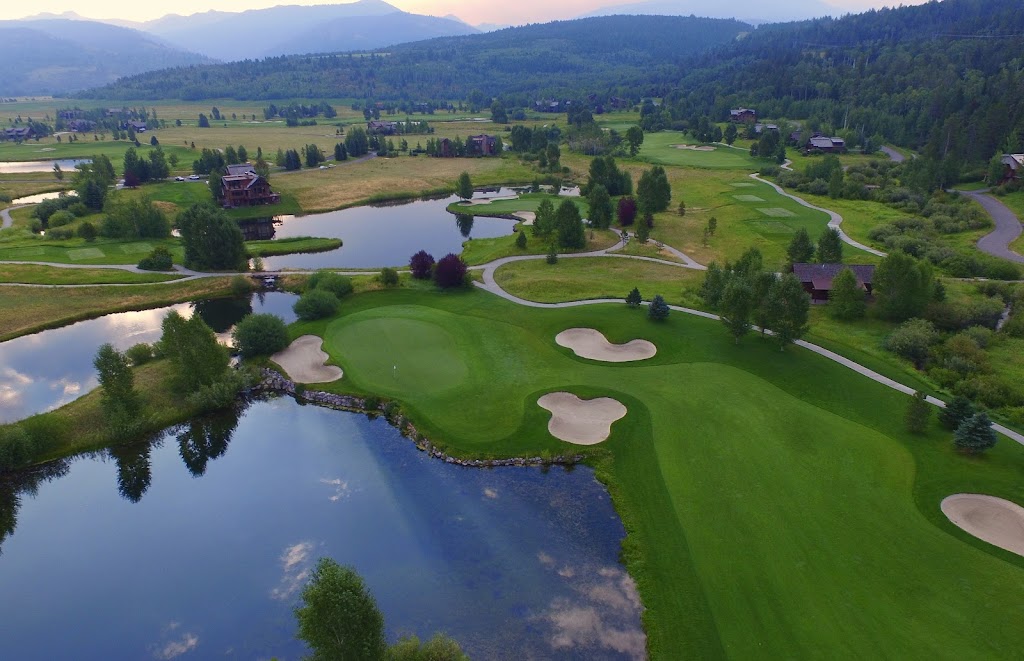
79,251
597,277
26,310
663,149
48,275
810,523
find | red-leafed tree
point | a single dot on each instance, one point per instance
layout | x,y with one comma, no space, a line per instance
450,271
627,211
420,264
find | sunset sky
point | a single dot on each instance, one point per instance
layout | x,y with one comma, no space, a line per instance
472,11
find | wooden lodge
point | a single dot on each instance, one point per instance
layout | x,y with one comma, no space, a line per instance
824,144
1013,166
19,133
380,127
817,278
743,115
242,187
482,145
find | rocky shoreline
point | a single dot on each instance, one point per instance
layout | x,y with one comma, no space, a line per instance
274,383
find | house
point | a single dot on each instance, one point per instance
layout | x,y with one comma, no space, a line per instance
80,125
1014,166
743,115
381,127
19,133
134,125
817,278
761,128
825,144
445,149
242,187
482,145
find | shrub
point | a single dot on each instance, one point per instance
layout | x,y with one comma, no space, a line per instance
421,265
521,240
552,256
61,218
450,271
60,233
87,231
79,209
16,447
260,335
338,285
158,260
316,304
633,298
388,276
913,340
140,354
241,286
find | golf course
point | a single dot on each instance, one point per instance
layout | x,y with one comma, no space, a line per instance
774,504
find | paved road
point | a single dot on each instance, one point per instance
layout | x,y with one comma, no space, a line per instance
997,243
835,220
5,215
893,155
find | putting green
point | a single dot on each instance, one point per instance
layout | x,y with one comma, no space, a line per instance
775,506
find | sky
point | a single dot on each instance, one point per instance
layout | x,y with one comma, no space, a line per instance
471,11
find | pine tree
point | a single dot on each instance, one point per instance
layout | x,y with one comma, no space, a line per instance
919,412
633,298
521,240
464,187
569,226
955,412
658,309
830,247
975,434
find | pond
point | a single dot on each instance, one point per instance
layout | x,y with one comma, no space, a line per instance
35,199
20,167
46,370
198,544
388,235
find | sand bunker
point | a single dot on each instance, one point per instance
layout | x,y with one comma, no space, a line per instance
528,216
988,518
592,344
695,147
304,360
581,421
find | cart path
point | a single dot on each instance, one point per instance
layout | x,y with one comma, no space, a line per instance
997,242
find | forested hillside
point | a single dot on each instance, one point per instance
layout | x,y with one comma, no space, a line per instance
556,59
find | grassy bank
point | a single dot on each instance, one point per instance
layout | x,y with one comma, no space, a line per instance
291,245
482,251
26,310
50,275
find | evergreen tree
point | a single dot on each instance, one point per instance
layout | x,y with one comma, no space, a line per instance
846,300
955,412
830,247
544,222
634,138
204,123
521,240
633,298
569,226
919,412
975,434
801,248
464,187
600,204
658,309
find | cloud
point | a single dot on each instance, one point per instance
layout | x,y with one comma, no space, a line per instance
175,648
491,493
341,489
296,563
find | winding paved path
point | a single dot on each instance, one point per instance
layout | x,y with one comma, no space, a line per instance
997,243
893,155
5,215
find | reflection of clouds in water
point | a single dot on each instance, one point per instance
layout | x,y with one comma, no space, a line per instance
67,386
175,648
602,617
296,562
491,493
340,488
11,384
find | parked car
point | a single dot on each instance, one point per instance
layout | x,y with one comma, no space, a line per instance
193,177
179,178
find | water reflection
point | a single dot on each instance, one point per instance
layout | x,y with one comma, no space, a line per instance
464,221
18,167
514,563
46,370
14,487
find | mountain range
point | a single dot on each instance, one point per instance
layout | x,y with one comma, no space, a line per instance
755,14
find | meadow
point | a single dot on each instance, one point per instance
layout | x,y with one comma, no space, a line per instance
774,504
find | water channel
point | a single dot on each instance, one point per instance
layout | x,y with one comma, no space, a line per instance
22,167
196,545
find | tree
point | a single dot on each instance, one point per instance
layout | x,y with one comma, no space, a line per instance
918,413
316,304
801,249
521,240
192,348
211,239
730,134
846,300
903,285
338,618
552,254
158,168
626,211
464,187
569,226
544,222
337,284
260,335
830,247
57,172
835,184
653,192
357,143
634,138
314,156
438,648
682,207
788,306
119,400
955,412
340,153
450,271
712,226
736,306
204,123
600,204
135,168
421,265
975,434
633,298
643,230
658,309
498,113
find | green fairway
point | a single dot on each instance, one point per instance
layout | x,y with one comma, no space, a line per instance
775,506
663,148
525,202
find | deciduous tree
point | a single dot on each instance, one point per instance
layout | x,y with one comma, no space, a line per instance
846,299
421,264
801,248
919,412
338,618
830,247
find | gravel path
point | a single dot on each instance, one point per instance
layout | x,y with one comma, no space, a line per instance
997,243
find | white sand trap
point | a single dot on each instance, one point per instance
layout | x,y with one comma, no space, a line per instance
988,518
528,216
304,360
592,344
581,421
695,147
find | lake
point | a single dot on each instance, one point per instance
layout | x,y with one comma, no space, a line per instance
196,546
20,167
46,370
389,234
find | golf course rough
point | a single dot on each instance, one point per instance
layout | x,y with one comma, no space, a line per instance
581,421
774,505
592,344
